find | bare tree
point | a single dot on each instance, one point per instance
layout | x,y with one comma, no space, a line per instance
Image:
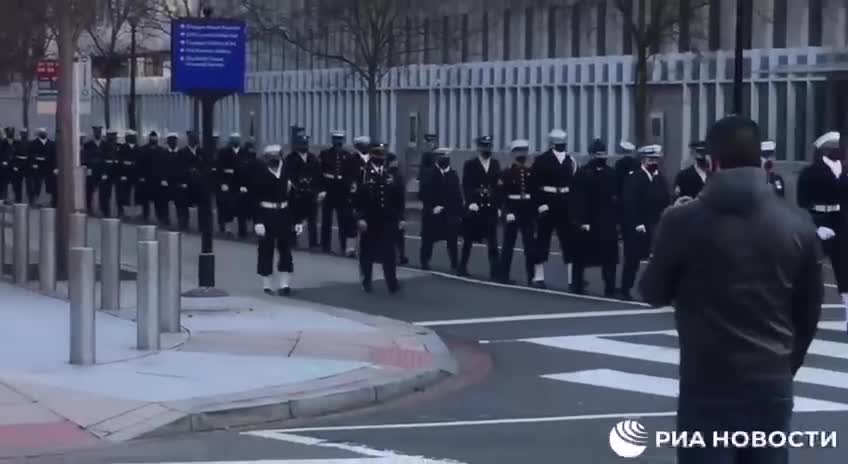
369,37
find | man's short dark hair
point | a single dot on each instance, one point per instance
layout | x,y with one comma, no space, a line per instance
734,141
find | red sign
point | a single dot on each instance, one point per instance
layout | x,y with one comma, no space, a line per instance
47,74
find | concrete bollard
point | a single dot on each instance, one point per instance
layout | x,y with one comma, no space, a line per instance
147,316
47,250
81,289
146,233
20,243
110,264
2,240
170,278
78,230
80,179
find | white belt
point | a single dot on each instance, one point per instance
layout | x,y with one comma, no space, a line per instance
521,196
826,208
549,189
272,205
40,158
128,163
332,176
229,171
23,157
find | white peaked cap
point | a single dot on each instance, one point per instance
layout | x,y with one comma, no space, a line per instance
829,140
235,135
362,140
768,145
130,132
626,146
173,135
557,136
216,134
443,151
337,133
520,144
649,150
42,129
273,149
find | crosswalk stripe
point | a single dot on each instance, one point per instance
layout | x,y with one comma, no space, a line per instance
664,386
666,355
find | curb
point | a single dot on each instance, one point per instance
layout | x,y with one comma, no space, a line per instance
242,416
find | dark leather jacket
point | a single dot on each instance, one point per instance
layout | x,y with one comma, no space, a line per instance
743,270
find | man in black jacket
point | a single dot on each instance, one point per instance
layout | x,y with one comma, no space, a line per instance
303,169
335,192
441,215
480,177
743,271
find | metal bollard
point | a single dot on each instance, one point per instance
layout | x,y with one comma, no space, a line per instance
81,289
147,316
146,233
78,230
80,180
47,250
2,240
20,243
110,264
170,279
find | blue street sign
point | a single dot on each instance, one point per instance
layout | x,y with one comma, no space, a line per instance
208,55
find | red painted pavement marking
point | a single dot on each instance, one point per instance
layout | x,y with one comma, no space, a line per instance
398,357
43,436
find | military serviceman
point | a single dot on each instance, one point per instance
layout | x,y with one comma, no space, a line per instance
596,214
429,157
108,174
127,173
393,165
39,151
185,170
246,167
272,221
553,172
626,164
6,155
304,171
20,165
480,178
441,195
519,210
822,190
147,187
225,169
379,213
92,159
162,174
644,199
334,193
51,172
355,170
767,149
691,180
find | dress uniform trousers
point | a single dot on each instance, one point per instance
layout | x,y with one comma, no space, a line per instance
525,225
105,186
161,201
5,174
90,188
225,197
336,203
124,185
52,187
481,225
278,226
305,208
142,195
557,220
35,179
379,243
19,167
244,200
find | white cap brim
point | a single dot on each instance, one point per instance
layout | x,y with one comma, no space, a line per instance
830,138
768,146
273,149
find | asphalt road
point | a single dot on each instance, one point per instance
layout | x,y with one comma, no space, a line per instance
545,377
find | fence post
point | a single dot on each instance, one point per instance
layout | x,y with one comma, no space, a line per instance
170,279
110,264
47,250
20,243
147,317
81,289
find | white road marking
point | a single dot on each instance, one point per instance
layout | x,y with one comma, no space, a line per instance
664,386
392,460
470,423
545,317
375,456
839,326
666,355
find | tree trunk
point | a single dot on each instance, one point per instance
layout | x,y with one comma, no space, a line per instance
640,113
26,93
373,108
107,105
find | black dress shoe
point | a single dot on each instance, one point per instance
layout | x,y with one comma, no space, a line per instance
425,267
285,291
609,293
367,287
540,284
268,291
626,296
404,261
393,289
462,272
577,290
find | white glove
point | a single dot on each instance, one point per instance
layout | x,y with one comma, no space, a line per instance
473,207
243,189
438,209
142,179
124,178
164,183
402,225
641,228
88,172
825,233
298,229
510,217
259,229
225,188
104,177
35,166
543,209
322,195
55,171
362,225
185,186
585,227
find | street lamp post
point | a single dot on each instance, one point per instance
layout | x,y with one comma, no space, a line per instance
131,111
742,9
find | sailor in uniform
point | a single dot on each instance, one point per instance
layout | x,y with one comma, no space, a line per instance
690,181
480,178
519,211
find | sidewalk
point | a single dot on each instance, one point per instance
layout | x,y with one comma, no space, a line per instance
251,360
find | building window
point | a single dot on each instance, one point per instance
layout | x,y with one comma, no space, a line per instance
575,30
446,41
507,19
779,24
816,24
602,29
684,42
465,37
552,31
715,25
485,34
528,33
